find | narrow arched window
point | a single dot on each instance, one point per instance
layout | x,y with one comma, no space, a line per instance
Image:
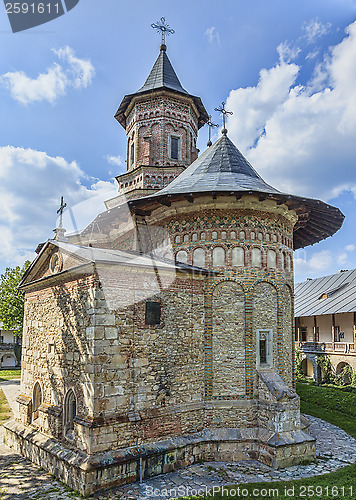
199,257
69,411
218,256
233,235
214,235
242,235
132,154
37,400
238,256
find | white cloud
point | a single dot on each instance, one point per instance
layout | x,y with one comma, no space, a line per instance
52,84
315,29
350,248
31,186
313,54
287,52
302,138
320,262
115,160
212,35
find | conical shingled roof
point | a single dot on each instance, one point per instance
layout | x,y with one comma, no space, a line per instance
222,169
162,75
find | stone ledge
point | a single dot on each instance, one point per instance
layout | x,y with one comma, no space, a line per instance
89,473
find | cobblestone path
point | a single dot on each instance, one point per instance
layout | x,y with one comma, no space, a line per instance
21,480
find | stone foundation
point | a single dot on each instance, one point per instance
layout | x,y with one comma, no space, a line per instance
90,473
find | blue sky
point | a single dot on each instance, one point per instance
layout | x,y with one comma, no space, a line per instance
287,70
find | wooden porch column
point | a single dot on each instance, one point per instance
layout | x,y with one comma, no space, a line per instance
333,330
314,331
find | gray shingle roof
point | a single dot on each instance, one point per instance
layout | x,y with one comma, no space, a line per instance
108,256
339,288
223,169
162,75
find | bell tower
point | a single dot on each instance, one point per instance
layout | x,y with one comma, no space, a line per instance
161,121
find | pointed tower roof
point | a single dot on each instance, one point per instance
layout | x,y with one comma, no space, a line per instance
222,169
162,77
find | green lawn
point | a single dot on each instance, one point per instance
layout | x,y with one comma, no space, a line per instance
335,406
5,411
9,374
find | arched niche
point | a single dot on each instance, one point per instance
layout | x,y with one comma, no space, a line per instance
238,256
69,412
271,259
228,339
219,257
264,319
182,256
37,399
256,257
287,336
199,257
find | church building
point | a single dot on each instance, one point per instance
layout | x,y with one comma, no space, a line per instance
163,334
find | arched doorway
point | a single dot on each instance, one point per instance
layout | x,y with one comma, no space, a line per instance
307,368
343,373
8,361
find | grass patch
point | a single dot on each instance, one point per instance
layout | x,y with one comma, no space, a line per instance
337,407
332,404
5,411
9,374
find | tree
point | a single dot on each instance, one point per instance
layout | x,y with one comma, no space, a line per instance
11,299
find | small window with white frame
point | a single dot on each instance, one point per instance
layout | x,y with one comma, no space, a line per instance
264,351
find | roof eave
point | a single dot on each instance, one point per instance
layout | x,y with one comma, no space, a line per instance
120,114
309,233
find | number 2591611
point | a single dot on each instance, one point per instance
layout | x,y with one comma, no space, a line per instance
31,8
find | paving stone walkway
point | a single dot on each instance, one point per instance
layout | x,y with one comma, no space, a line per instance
21,480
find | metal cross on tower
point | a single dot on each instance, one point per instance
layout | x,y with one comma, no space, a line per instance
60,211
224,112
211,125
162,27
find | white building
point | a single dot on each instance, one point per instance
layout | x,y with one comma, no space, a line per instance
325,316
7,348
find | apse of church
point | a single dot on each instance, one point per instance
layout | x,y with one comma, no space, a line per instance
162,335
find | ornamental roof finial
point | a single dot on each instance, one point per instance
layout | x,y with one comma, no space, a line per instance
162,27
211,125
224,112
